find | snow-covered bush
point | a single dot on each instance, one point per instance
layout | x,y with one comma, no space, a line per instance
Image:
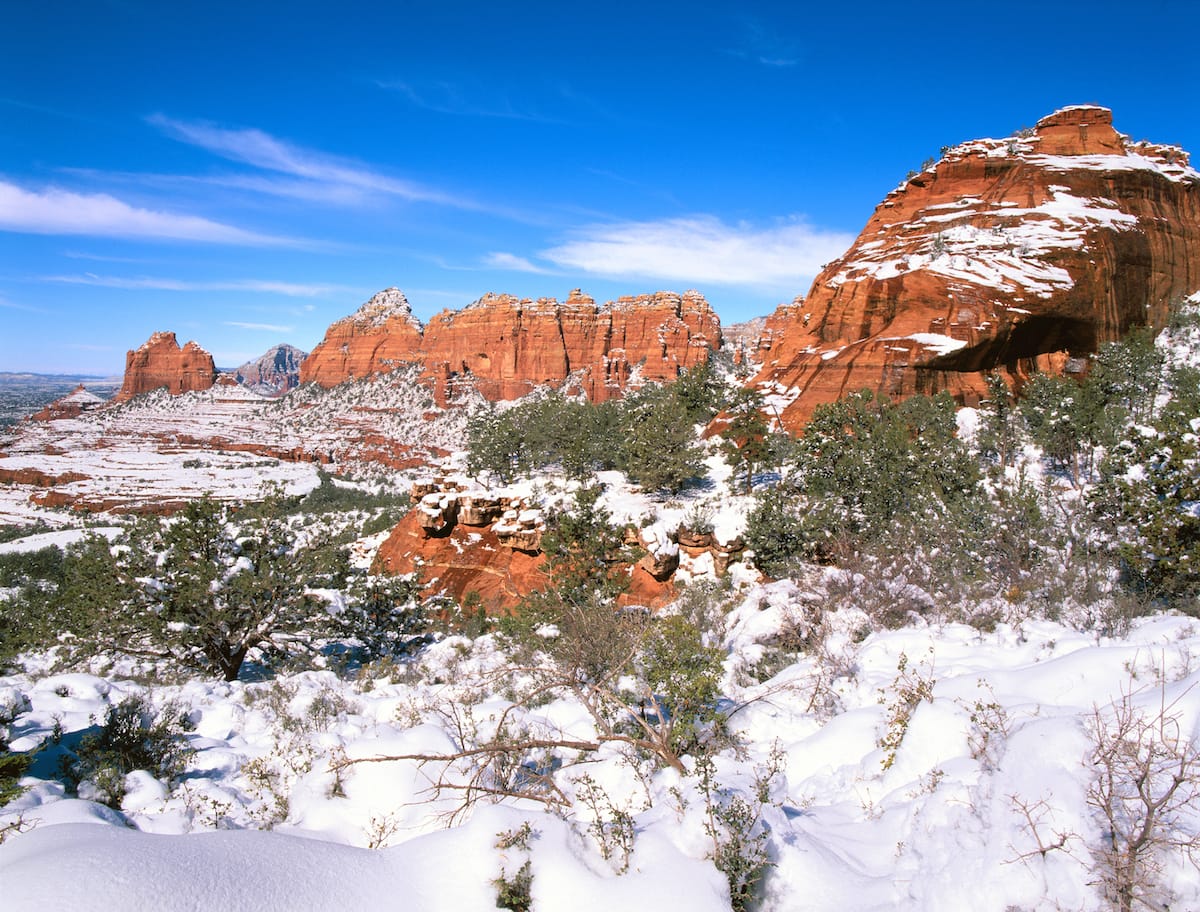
134,735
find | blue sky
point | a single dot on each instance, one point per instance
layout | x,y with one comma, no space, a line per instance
246,173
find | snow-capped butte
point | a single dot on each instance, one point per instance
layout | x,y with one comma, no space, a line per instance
383,306
1036,246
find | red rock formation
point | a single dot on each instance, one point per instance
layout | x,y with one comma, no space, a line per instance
37,478
379,336
464,559
1006,254
161,362
464,540
505,346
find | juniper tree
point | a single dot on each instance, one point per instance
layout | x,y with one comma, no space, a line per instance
747,436
997,429
658,446
865,468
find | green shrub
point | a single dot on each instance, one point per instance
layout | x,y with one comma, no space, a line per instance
658,448
133,736
10,533
864,468
12,767
19,568
329,497
514,891
650,434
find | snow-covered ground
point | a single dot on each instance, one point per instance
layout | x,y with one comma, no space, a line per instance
226,442
879,802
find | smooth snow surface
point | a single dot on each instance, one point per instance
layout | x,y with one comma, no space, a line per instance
84,867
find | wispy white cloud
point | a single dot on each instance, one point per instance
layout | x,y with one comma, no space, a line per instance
57,211
103,258
703,249
320,176
13,305
160,283
501,260
265,327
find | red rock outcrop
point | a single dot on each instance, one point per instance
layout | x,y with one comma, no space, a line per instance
505,346
1005,254
464,540
161,362
459,559
379,336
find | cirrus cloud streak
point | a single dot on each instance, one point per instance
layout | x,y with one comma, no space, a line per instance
155,283
57,211
703,250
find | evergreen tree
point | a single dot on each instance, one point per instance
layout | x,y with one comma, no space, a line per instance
494,445
865,468
774,532
659,449
1149,488
997,437
747,436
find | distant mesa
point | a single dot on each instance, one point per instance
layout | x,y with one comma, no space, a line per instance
505,347
274,373
1007,254
160,362
72,405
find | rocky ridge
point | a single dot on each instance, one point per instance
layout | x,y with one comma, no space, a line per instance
274,373
504,346
1006,254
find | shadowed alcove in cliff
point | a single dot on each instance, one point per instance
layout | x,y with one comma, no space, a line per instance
1025,341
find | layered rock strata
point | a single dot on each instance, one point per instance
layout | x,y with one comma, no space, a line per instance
1005,254
505,346
380,336
160,362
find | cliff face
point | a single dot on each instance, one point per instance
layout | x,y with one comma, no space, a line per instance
1006,254
274,373
505,346
379,336
161,362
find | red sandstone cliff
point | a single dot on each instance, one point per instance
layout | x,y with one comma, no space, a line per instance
161,362
507,346
1005,252
379,336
